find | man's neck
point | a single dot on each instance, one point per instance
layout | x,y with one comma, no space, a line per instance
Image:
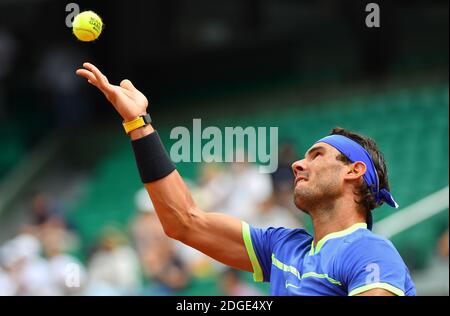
327,221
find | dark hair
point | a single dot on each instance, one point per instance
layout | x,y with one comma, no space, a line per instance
367,198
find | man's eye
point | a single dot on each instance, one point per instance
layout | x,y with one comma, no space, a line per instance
316,155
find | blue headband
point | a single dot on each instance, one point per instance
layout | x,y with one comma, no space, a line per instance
355,152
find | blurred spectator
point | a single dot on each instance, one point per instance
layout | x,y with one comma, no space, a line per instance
271,213
41,209
113,268
7,285
434,279
166,271
30,273
231,284
214,187
164,268
236,191
47,214
443,245
250,187
146,229
56,243
45,209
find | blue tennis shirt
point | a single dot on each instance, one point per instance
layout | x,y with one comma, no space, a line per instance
348,262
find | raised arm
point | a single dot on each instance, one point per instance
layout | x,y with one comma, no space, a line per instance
217,235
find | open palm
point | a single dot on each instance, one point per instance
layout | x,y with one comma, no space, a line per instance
126,99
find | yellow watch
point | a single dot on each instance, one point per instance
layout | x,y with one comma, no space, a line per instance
138,122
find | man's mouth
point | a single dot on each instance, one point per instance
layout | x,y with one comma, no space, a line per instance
300,179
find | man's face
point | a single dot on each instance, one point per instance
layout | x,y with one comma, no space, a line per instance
319,177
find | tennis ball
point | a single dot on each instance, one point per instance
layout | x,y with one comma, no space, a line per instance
87,26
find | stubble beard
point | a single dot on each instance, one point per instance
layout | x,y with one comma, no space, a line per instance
307,199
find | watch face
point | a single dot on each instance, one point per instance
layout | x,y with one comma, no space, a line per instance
147,119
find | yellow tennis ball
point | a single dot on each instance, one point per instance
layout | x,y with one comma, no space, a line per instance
87,26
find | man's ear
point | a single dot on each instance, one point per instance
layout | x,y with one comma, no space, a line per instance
356,170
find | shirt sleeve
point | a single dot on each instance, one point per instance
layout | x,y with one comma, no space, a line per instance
259,244
373,264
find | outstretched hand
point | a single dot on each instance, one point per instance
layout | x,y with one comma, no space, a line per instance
126,99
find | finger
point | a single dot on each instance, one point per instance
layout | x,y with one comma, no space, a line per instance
128,93
126,84
102,80
90,77
97,78
86,74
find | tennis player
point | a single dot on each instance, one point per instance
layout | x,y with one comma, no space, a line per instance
341,179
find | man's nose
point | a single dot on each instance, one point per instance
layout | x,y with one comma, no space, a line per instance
298,166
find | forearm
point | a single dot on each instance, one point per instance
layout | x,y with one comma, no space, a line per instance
173,204
170,196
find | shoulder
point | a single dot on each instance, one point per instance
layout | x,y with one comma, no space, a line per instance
365,246
365,240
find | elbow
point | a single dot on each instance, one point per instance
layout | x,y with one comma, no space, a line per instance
180,228
174,232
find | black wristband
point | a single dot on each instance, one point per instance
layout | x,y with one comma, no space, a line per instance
152,159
